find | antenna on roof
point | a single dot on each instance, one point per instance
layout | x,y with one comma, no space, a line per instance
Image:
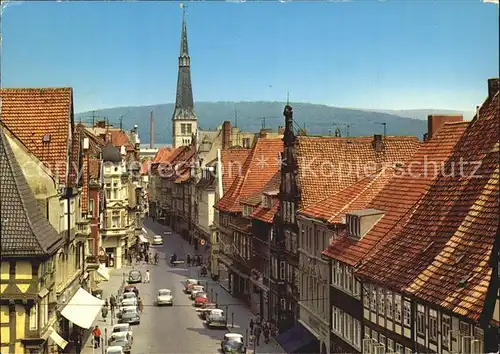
288,98
235,117
385,126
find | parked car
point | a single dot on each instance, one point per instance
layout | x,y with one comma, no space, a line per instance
164,297
200,299
195,289
120,339
205,309
233,343
134,276
131,289
114,350
190,283
132,302
128,295
157,240
123,327
216,318
130,315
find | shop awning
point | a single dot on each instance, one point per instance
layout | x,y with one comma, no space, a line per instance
296,338
103,272
143,239
82,309
60,341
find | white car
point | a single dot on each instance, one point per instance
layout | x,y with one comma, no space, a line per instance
129,302
216,318
157,240
195,290
128,295
115,349
123,327
164,297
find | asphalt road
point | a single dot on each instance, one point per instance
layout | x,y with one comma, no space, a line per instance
175,329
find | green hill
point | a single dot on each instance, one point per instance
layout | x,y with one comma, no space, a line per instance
318,119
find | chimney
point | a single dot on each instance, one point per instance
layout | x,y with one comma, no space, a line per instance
151,131
265,132
435,122
378,143
85,144
226,135
281,130
493,87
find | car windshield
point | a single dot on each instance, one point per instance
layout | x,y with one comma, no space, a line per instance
120,329
129,296
201,294
233,344
164,292
114,351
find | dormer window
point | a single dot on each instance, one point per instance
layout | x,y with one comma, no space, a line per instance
266,201
360,222
247,210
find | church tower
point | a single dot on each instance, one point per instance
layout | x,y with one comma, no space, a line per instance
184,119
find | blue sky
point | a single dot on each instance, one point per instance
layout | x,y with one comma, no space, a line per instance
363,54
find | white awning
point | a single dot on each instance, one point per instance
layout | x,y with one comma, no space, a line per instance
103,271
82,309
60,341
143,239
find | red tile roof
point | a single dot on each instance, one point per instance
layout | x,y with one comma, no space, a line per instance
272,186
120,138
265,214
261,212
260,166
333,209
145,167
400,194
448,241
329,164
30,114
232,161
178,164
162,155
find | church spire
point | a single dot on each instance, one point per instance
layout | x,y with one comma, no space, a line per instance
184,105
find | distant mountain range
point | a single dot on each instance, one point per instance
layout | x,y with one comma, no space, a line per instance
251,116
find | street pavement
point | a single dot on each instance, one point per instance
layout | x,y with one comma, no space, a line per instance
177,329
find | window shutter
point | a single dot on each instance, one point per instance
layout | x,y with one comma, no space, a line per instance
123,218
108,219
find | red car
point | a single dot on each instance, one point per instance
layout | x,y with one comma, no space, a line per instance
200,299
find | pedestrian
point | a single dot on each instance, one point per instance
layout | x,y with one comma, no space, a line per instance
188,259
251,324
78,344
266,333
146,258
136,292
104,312
256,333
141,305
147,277
96,333
198,260
258,320
112,302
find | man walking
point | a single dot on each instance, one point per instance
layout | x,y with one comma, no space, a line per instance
97,336
78,344
147,277
256,333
